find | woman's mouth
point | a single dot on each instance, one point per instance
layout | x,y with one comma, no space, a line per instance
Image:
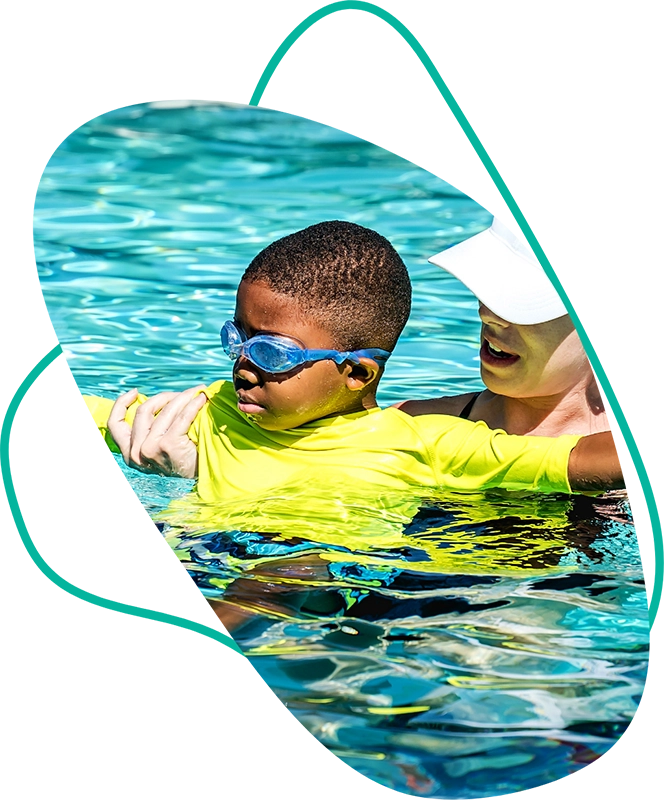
494,356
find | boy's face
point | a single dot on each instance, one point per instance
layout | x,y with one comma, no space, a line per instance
307,393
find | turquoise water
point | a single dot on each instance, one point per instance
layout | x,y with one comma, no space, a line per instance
477,646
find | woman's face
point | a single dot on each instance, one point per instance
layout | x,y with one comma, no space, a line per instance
531,360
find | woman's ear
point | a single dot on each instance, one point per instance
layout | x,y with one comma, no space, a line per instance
361,375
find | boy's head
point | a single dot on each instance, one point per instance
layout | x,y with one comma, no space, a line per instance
348,278
335,285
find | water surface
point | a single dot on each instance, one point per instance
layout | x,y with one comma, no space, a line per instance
444,645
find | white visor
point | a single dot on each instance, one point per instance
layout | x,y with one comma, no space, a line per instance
504,274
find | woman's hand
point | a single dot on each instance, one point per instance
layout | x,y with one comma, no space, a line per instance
158,441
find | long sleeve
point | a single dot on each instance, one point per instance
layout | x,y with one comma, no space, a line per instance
471,456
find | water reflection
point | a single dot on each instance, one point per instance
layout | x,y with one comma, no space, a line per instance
444,645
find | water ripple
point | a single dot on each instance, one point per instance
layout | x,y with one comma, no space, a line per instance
442,645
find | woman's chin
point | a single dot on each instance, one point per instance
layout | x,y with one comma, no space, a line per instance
502,382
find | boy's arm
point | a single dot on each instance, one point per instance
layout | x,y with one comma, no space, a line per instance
470,456
593,464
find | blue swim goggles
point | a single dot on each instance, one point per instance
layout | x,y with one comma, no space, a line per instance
274,354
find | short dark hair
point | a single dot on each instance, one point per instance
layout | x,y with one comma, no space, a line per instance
348,278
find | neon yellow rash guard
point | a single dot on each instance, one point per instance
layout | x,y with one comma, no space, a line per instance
379,447
368,525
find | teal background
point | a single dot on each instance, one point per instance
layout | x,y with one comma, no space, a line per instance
565,128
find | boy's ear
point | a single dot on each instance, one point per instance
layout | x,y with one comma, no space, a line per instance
360,376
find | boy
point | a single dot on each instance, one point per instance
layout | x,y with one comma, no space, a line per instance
318,314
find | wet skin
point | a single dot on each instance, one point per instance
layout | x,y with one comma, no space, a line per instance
158,441
310,392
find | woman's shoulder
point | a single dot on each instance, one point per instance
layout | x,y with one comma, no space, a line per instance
452,406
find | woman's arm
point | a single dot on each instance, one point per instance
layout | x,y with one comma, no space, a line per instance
594,465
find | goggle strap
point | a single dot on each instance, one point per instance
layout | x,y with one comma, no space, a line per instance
375,353
342,358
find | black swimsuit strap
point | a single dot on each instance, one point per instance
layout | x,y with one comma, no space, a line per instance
469,406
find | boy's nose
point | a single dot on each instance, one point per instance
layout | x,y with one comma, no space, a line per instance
247,371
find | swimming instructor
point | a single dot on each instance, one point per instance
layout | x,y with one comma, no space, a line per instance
539,380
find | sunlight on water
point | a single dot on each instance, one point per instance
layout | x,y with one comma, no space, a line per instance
442,644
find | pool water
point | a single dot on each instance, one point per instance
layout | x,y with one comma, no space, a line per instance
444,645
